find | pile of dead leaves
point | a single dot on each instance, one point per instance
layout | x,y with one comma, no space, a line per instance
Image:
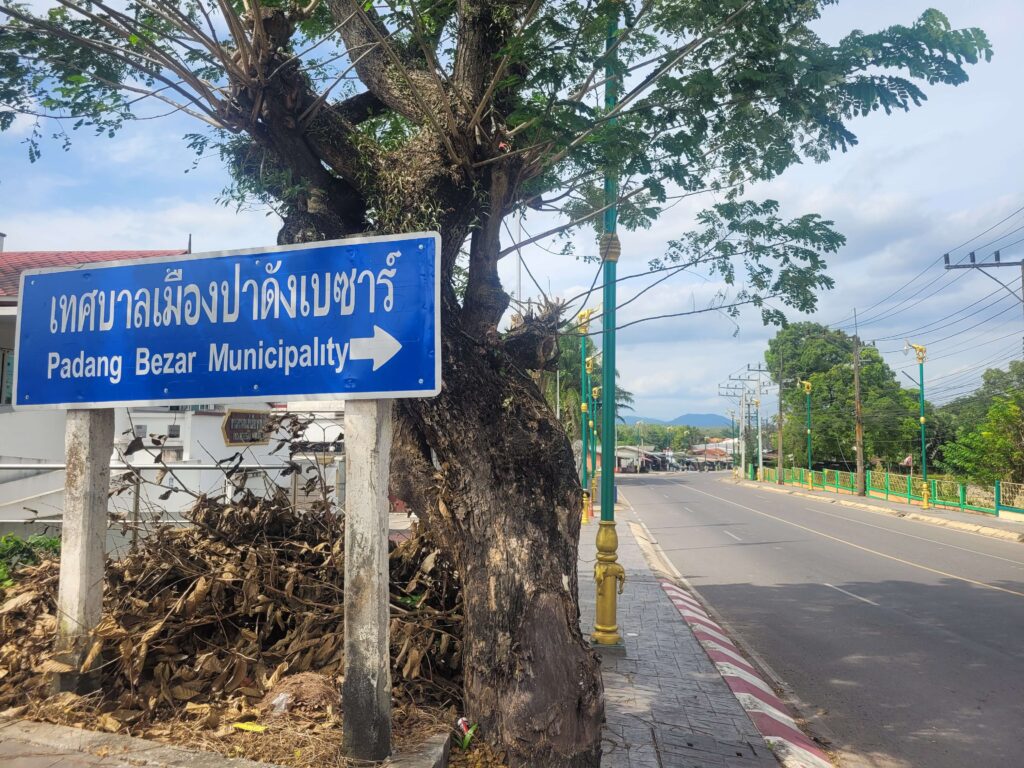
202,622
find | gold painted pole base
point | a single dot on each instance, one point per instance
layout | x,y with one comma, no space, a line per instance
610,577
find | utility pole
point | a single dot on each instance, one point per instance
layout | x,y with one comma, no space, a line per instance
732,433
733,391
760,390
639,443
760,448
858,413
743,434
746,415
997,262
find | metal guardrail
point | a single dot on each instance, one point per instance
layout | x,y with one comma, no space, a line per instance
942,492
52,518
121,465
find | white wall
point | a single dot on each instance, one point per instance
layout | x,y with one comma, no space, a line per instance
28,504
32,435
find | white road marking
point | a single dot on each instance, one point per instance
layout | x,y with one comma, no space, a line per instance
794,756
733,535
912,536
850,594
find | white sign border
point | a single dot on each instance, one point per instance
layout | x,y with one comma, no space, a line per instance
258,397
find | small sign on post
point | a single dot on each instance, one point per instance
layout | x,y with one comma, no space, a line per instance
355,320
241,428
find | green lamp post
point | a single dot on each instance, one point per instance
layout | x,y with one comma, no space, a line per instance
608,573
922,353
810,472
585,416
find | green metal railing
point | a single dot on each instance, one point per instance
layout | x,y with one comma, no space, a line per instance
942,492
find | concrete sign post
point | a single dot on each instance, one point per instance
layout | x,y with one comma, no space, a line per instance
366,692
89,441
355,319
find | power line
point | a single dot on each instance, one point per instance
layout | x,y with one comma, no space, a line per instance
986,356
845,321
933,342
947,317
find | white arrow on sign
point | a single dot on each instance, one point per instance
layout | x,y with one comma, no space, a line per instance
381,348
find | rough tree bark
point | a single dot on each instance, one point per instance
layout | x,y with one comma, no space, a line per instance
490,471
493,473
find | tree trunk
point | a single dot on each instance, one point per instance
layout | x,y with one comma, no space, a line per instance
493,473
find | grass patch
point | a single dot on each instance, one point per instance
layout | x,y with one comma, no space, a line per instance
16,552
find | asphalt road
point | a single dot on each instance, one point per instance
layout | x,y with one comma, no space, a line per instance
903,639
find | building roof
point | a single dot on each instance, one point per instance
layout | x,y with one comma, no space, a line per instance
13,263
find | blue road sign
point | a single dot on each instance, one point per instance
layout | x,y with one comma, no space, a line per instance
356,318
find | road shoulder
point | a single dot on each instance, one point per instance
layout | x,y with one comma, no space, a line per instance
746,675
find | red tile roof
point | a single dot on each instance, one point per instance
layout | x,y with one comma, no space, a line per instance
13,263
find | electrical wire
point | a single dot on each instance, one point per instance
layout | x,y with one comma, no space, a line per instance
924,338
914,331
844,323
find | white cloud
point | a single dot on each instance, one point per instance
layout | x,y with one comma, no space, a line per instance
21,127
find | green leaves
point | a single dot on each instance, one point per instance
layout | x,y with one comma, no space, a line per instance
748,244
994,450
713,95
984,430
815,353
16,552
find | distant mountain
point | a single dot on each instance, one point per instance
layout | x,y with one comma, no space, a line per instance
687,420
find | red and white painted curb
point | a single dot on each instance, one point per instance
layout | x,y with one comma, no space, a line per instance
771,717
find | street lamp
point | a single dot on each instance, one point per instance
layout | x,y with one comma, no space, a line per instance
609,575
922,353
807,389
585,368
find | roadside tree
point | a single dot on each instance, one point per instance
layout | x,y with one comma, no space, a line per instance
823,356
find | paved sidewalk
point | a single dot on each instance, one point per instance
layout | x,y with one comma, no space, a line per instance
988,524
666,706
25,744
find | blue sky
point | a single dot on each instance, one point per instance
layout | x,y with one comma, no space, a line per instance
918,185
